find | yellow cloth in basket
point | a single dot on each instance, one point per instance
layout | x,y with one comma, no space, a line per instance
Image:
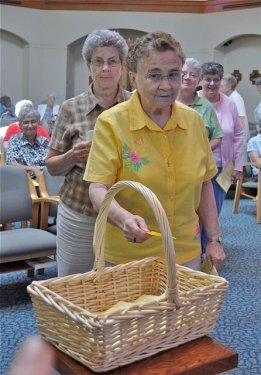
210,271
123,305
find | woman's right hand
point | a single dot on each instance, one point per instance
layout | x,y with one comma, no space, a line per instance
59,164
133,226
80,152
135,229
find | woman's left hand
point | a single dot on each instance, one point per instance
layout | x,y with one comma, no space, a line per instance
215,255
235,176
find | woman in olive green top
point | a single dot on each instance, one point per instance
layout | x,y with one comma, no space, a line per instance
188,95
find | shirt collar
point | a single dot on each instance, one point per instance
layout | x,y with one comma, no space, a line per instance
38,140
93,101
140,120
196,101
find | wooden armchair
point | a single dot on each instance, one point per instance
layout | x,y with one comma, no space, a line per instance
2,153
26,248
49,187
248,188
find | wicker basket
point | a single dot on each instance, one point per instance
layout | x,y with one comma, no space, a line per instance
70,310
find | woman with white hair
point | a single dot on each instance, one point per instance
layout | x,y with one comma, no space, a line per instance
254,144
22,104
188,95
104,52
28,150
229,88
14,128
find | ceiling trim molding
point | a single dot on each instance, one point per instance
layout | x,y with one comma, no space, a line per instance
176,6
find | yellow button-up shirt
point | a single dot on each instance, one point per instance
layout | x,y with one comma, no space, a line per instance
173,162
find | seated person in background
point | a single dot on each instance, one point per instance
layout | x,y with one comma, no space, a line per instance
228,87
191,73
27,149
258,86
14,128
22,104
48,112
254,145
7,109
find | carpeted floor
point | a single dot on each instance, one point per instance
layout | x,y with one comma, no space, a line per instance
238,326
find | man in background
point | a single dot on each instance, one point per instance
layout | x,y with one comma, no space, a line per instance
228,87
254,145
258,84
48,112
258,107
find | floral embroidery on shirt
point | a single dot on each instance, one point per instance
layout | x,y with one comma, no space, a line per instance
132,159
197,234
139,141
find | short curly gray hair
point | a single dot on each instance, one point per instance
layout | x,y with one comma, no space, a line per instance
159,41
212,68
190,62
104,38
28,111
230,80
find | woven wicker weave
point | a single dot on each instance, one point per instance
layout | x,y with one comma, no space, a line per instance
69,309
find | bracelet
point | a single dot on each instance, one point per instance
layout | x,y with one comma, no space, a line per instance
215,239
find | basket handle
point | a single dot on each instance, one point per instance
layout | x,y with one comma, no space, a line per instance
160,215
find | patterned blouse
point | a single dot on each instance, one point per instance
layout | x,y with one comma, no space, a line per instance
21,151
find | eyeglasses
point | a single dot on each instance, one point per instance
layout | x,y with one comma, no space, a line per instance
189,74
158,77
27,122
100,62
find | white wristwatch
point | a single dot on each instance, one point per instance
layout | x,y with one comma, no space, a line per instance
215,239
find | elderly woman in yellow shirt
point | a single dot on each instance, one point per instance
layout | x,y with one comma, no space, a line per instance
161,143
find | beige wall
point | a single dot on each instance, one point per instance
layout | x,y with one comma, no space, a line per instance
41,50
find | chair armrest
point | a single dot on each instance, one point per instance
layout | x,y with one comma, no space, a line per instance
253,163
45,210
51,199
39,205
47,200
35,203
42,186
